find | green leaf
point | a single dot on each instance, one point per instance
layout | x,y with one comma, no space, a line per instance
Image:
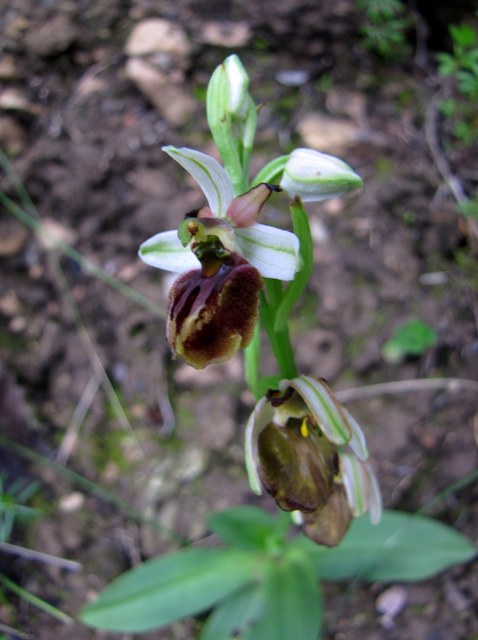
402,546
170,587
235,614
412,338
292,603
249,528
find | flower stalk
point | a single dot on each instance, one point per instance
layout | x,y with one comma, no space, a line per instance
239,276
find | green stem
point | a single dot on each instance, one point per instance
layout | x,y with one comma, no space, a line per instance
252,355
272,172
279,340
34,600
294,289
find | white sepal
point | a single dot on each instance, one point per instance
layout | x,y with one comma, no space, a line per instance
273,252
258,420
323,406
209,175
165,251
355,479
357,443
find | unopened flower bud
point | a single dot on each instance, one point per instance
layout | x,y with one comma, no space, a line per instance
315,176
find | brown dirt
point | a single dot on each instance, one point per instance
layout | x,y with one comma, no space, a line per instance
87,146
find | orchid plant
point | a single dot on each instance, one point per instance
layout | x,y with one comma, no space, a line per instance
239,278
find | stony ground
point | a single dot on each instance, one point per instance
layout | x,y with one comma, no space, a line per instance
131,450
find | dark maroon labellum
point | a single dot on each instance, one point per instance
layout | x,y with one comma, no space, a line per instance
213,311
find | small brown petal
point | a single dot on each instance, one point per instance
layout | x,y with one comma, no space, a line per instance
329,525
244,210
211,317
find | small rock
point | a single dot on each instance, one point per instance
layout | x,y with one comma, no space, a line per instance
9,68
72,502
53,37
13,99
226,34
13,235
292,78
327,134
389,603
52,234
9,306
13,139
163,39
171,100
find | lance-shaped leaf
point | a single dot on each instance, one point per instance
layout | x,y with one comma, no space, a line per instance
168,588
165,251
323,406
250,528
403,546
292,603
234,615
209,174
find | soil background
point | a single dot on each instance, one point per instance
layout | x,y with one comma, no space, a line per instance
131,450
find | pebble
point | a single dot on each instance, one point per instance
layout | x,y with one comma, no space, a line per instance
53,234
170,99
13,138
292,78
389,603
13,99
9,68
166,41
53,37
13,235
327,134
221,33
9,306
72,502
